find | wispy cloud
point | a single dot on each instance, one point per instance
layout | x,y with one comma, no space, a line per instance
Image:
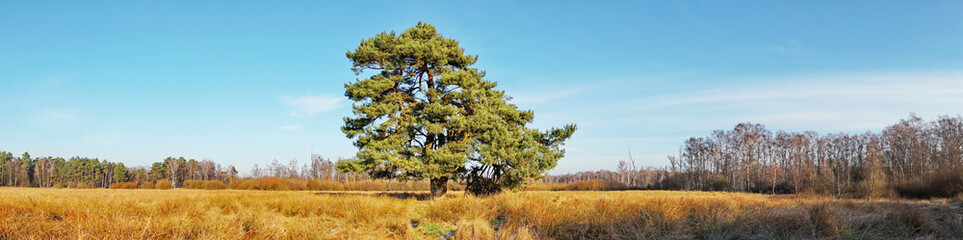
828,102
310,105
292,128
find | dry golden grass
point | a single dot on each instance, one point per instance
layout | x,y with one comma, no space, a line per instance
290,184
37,213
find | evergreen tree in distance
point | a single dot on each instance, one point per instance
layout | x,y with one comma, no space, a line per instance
427,114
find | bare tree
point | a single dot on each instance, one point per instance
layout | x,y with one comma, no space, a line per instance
174,167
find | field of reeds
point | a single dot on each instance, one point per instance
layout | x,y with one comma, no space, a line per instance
294,184
47,213
291,184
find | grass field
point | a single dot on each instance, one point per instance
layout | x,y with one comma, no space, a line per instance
43,213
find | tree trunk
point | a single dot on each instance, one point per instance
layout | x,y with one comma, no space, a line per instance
439,186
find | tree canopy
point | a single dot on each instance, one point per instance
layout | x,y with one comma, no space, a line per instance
428,114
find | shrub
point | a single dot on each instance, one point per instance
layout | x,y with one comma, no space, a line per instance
369,185
325,185
717,183
213,185
871,189
673,182
163,184
296,184
270,183
948,183
943,184
204,184
595,185
192,184
537,186
124,185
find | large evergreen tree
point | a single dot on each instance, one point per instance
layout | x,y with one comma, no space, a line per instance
427,114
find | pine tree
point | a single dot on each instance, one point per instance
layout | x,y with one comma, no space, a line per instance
120,173
427,114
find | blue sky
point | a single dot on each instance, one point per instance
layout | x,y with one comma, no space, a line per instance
245,83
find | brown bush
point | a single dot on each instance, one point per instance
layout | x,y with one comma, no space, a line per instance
163,184
214,185
269,183
594,185
872,190
325,185
192,184
296,184
204,184
124,185
943,184
368,185
537,186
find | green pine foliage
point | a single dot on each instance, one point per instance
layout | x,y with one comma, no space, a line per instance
428,114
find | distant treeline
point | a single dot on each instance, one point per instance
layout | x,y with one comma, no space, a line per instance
81,172
913,158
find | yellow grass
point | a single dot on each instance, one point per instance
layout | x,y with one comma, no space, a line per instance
43,213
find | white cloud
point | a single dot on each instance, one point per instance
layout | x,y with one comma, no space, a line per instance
310,105
832,103
292,128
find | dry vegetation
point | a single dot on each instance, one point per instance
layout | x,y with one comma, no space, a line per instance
44,213
294,184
